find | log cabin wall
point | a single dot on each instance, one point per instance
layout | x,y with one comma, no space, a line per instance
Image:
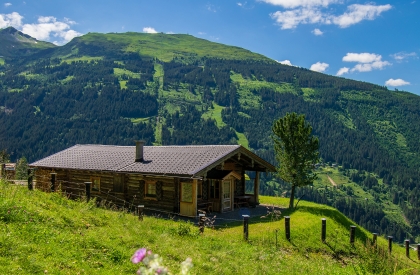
124,190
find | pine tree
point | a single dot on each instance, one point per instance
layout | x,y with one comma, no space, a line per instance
296,151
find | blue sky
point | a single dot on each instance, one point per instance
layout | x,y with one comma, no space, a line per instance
377,42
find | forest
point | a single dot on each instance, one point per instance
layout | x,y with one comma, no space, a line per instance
50,101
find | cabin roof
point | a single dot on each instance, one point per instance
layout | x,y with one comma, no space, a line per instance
188,161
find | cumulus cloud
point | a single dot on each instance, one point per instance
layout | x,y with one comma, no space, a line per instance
7,4
290,19
357,13
285,62
149,30
314,12
13,19
48,26
396,82
288,4
319,67
342,71
366,62
362,57
401,56
317,32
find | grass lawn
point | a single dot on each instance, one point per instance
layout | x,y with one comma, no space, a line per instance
44,233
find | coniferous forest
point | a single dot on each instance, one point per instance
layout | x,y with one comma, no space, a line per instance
96,91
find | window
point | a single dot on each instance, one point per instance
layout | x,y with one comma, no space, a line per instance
96,183
118,183
150,189
214,189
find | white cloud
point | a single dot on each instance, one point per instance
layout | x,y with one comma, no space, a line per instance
44,29
149,30
290,19
201,33
342,71
396,82
319,67
13,19
366,62
367,67
285,62
7,4
48,26
314,12
317,32
399,57
288,4
362,57
356,13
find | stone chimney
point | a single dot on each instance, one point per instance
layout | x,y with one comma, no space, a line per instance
139,150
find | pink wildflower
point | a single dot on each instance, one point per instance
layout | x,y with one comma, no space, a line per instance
139,256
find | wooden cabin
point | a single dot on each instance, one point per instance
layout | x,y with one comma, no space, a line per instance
175,179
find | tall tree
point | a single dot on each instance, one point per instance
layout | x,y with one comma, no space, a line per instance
296,151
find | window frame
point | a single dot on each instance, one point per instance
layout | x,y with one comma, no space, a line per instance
148,195
96,184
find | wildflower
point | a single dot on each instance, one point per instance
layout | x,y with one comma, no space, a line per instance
139,256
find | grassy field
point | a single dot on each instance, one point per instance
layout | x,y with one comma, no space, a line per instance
216,114
1,61
165,47
44,233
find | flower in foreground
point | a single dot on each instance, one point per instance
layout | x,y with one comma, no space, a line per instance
138,255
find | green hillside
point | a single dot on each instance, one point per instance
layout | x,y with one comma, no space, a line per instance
178,89
48,234
164,47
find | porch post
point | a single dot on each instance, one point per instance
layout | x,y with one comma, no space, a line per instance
256,187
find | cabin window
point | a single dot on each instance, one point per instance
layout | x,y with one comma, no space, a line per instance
96,183
118,183
150,189
214,189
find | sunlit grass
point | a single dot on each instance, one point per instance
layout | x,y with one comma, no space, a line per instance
44,233
216,114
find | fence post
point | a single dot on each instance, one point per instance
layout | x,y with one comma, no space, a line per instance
418,251
246,219
352,234
3,170
407,248
324,229
287,227
374,239
30,179
390,244
88,184
53,177
201,218
140,209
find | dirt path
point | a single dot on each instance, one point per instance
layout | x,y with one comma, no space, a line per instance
332,181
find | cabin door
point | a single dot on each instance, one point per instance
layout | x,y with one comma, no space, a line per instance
188,198
227,195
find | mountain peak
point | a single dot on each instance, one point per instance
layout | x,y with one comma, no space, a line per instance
15,43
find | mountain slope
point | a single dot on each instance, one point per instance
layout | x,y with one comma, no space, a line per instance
14,43
47,233
177,89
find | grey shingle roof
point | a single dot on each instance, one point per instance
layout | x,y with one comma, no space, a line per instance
165,160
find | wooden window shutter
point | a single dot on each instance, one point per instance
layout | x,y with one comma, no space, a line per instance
141,188
159,191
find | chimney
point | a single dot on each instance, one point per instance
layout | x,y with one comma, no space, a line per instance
139,150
